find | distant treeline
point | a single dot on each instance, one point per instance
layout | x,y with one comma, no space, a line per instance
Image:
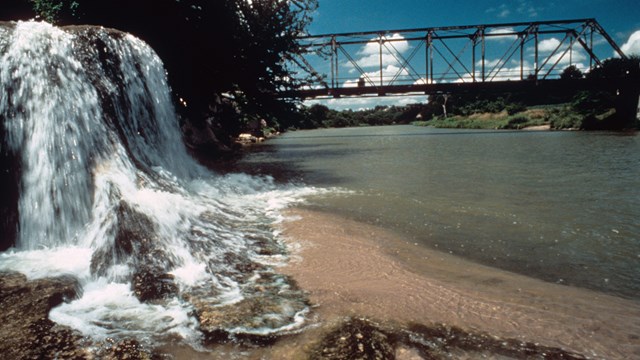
588,110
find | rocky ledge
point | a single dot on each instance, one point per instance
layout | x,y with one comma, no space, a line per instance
25,329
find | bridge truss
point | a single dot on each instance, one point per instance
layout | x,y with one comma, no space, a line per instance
437,59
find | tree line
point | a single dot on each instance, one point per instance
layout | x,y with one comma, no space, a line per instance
589,109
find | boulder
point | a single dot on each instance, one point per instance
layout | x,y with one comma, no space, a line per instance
25,329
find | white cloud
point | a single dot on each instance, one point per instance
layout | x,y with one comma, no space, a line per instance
632,46
388,73
392,48
503,32
563,56
573,57
424,81
548,45
488,64
373,46
373,60
509,71
361,103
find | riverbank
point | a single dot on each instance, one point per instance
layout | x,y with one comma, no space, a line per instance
352,269
535,118
552,117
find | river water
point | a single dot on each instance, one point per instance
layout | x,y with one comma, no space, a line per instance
558,206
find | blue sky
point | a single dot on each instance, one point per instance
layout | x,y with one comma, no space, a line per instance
620,18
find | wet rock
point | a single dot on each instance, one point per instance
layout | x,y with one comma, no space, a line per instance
365,339
244,266
440,341
127,349
135,244
153,284
356,339
271,302
201,138
25,330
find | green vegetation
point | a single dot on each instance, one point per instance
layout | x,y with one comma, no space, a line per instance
501,120
320,116
51,11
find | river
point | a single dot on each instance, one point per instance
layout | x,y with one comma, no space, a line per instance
557,206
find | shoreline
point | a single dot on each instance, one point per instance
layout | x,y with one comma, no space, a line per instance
351,269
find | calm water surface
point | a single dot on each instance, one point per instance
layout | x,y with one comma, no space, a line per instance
560,206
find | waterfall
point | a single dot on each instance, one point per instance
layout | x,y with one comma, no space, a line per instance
107,192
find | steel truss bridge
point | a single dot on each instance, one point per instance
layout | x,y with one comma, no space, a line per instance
528,56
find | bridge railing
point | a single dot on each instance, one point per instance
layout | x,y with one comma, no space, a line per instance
376,61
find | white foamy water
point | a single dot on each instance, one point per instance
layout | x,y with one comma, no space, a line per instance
107,189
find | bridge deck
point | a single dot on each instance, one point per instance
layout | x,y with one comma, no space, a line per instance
552,86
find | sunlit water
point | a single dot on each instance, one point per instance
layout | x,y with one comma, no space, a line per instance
87,115
559,206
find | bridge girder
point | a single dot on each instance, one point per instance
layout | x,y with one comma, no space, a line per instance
423,60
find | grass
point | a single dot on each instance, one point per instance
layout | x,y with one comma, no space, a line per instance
501,120
554,116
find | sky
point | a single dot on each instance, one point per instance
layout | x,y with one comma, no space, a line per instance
620,19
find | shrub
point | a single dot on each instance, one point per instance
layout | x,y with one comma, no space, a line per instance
514,108
564,118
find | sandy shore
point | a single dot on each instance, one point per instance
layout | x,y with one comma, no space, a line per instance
354,269
538,127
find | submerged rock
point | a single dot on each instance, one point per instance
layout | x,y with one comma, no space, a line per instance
271,307
134,241
136,245
151,283
356,339
364,339
25,330
126,349
441,341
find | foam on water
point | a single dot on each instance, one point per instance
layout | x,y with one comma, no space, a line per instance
111,310
88,115
36,264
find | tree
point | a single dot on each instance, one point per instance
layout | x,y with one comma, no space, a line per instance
617,68
623,98
571,72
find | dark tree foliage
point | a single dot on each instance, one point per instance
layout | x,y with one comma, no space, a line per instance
624,100
617,68
571,72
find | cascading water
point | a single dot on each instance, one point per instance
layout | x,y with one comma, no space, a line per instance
107,192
